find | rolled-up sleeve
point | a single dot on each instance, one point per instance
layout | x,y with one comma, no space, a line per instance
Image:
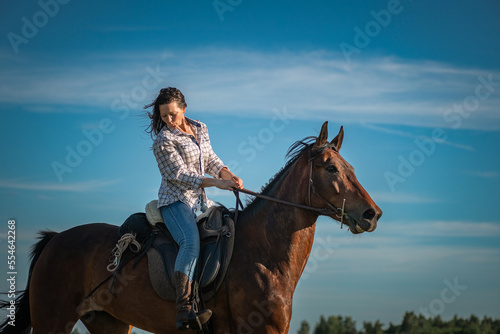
214,163
173,168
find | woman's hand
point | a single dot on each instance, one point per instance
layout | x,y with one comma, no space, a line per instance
219,183
226,184
227,181
226,174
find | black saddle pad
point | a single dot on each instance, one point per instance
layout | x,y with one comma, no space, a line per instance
217,242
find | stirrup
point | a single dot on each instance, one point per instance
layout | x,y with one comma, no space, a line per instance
191,322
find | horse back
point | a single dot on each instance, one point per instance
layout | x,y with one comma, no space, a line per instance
81,241
73,260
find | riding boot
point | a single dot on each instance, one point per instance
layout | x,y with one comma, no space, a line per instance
186,316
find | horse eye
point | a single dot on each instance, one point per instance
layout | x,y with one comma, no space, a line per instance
332,169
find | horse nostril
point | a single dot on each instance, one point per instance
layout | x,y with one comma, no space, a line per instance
369,214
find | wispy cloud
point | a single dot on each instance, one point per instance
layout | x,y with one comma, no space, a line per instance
411,231
484,174
215,192
406,246
84,186
451,228
392,197
129,28
412,136
313,84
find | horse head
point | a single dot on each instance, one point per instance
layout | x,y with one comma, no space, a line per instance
333,184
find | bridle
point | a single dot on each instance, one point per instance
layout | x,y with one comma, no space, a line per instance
339,212
311,187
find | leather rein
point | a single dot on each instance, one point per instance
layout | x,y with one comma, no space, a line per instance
322,211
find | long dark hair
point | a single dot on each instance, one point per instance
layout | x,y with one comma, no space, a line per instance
165,96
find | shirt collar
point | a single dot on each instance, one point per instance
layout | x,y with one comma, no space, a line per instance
178,132
192,121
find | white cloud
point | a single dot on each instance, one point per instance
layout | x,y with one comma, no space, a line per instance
397,197
441,228
128,28
452,229
404,247
409,232
412,136
84,186
213,193
484,174
312,84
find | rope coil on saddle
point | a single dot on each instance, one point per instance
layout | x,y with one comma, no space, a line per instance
126,241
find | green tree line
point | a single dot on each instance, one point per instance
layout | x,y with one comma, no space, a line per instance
77,331
411,324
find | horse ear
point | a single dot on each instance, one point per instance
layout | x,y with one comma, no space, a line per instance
323,135
337,141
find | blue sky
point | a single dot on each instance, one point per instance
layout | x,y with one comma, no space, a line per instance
416,85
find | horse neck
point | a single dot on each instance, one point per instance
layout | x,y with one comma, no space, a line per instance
279,236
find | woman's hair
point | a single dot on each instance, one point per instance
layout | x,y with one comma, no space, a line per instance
166,96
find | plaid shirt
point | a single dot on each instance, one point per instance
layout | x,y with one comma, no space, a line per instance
183,162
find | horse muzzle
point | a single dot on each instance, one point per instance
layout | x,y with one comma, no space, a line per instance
367,221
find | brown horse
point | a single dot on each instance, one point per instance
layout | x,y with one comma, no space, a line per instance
273,243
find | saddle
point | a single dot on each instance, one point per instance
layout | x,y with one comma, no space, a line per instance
216,229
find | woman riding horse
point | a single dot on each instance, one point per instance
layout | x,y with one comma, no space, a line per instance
182,149
273,240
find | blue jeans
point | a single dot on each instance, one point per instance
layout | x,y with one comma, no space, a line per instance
180,221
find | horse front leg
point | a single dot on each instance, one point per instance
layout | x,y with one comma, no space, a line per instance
104,323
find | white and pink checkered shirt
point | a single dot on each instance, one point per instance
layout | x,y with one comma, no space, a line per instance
183,162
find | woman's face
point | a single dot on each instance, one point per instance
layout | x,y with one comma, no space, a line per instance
172,115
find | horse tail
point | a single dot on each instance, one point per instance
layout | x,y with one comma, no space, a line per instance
19,321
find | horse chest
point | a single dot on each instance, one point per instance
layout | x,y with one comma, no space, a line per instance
268,309
264,316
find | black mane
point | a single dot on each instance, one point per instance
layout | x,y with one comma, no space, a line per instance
293,154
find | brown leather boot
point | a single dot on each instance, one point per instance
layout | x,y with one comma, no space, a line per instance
186,317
